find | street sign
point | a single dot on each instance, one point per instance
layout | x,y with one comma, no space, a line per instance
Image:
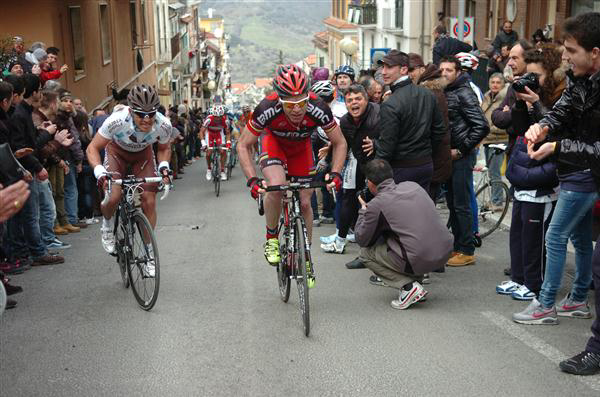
469,27
378,50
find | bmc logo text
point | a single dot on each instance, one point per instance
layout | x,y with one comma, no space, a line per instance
268,114
318,114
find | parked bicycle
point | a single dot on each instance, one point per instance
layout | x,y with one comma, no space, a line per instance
135,244
493,196
296,263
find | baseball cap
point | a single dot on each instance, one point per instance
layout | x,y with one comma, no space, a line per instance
393,58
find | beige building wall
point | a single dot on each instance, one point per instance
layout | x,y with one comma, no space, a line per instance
48,21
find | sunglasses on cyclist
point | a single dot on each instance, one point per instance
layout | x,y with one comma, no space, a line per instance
144,115
289,105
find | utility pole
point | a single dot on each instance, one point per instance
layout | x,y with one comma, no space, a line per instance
461,20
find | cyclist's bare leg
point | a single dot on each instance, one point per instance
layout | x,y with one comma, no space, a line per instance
108,210
223,159
306,209
208,158
149,207
274,175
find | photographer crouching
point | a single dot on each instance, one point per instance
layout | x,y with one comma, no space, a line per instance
401,234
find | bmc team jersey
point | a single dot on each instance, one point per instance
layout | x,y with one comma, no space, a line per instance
120,128
215,126
284,143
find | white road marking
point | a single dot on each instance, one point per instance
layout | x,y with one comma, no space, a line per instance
537,344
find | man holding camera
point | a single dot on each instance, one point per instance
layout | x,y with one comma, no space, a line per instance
399,248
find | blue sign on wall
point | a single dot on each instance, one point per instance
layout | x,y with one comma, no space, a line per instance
378,50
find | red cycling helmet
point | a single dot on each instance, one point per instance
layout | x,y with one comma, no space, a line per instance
289,81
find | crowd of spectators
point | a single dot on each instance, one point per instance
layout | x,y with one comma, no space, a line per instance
423,136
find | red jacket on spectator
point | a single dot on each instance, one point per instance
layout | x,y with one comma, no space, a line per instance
50,75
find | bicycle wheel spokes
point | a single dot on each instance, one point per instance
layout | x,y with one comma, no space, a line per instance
144,255
492,201
301,259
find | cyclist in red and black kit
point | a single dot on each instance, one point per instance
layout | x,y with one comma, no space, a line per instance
286,120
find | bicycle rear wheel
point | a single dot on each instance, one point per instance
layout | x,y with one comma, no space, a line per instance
283,269
492,210
301,258
143,250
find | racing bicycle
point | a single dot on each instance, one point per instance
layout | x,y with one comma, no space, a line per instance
135,244
296,263
216,165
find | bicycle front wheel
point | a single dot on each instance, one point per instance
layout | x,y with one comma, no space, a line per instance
122,257
493,201
283,269
302,259
144,254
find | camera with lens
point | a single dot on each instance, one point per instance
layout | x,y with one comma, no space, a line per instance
363,193
527,80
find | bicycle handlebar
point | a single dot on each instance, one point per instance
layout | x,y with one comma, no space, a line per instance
291,186
135,181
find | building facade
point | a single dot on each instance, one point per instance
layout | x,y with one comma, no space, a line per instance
106,43
407,25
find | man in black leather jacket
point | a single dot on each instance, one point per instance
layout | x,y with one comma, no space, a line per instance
410,126
574,121
468,127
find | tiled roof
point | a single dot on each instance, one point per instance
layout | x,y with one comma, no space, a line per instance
339,23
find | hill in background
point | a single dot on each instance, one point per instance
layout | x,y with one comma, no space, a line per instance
259,29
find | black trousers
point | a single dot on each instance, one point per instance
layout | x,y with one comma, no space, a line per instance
528,228
350,205
593,344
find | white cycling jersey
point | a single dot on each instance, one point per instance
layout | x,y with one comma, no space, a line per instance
120,128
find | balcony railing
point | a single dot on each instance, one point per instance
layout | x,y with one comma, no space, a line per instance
365,14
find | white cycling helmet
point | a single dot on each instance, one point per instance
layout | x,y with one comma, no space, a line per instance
323,88
467,60
218,110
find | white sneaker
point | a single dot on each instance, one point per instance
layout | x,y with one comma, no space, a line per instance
523,294
108,240
408,298
223,176
89,221
329,239
351,238
337,246
507,287
149,270
208,175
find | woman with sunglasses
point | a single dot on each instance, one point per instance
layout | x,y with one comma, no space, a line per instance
127,137
286,120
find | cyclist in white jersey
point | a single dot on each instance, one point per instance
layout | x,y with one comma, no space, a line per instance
127,136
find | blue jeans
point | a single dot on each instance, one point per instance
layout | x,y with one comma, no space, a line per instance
572,219
23,229
86,183
71,194
458,197
47,213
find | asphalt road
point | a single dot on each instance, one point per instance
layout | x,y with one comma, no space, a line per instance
219,327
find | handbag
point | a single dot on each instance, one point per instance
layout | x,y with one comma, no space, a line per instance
11,171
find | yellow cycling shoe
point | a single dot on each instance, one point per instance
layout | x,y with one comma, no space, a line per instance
272,252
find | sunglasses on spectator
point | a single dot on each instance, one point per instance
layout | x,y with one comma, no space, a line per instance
290,105
144,115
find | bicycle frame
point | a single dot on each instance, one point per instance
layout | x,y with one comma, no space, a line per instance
291,205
